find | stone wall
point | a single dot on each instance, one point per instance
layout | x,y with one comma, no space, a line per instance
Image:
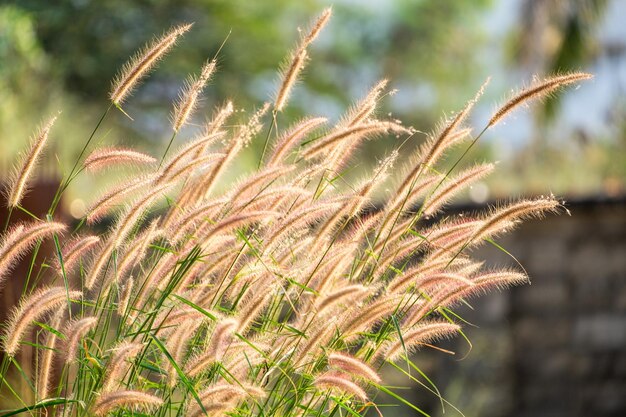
554,348
569,326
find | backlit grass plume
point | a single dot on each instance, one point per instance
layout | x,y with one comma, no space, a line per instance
280,294
138,66
18,184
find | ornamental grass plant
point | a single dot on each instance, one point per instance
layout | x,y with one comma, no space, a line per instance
283,295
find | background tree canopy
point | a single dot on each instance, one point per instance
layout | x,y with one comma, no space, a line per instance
63,55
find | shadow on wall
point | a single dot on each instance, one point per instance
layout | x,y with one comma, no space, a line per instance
554,348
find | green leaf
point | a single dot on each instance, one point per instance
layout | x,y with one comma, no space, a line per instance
194,306
44,403
180,372
50,329
402,400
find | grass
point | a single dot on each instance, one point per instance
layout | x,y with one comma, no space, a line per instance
284,294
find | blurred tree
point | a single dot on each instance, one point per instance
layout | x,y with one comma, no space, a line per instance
413,42
407,40
23,75
556,36
432,50
559,36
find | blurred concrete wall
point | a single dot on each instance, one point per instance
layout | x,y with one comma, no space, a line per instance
557,347
569,326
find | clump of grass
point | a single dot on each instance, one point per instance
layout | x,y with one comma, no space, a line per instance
283,295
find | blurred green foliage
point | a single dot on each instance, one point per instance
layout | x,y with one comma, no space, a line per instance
432,50
23,73
404,40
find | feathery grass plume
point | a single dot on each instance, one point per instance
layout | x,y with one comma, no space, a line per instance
156,278
137,248
424,333
176,345
456,184
231,223
189,194
10,249
348,294
277,199
395,205
319,335
127,291
297,61
128,220
515,212
452,294
301,218
401,252
462,238
537,90
252,306
329,142
220,397
181,315
32,308
341,382
289,76
213,408
446,136
18,181
366,107
240,140
222,114
220,339
293,136
498,279
131,399
397,251
119,364
98,263
246,132
109,200
190,217
353,366
74,250
374,312
20,239
427,156
141,63
317,27
198,164
258,182
469,268
443,233
188,97
223,392
416,277
186,154
45,364
76,331
354,204
103,158
328,272
241,360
